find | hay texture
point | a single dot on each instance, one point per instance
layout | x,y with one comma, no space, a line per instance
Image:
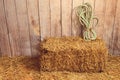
27,68
73,54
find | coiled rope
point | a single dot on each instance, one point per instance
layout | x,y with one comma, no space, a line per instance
85,14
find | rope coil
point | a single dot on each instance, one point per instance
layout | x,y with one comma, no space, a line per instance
85,15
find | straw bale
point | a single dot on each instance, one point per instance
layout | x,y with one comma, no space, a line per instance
73,54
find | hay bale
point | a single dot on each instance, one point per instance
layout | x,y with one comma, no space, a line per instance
73,54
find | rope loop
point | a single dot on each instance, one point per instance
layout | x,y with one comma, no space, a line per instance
85,15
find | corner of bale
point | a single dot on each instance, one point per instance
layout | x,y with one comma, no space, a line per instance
73,54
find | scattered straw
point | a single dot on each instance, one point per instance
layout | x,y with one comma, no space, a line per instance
26,68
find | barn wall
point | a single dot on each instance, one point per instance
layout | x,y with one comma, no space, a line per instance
24,22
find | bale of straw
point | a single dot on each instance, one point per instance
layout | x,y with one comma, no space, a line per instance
73,54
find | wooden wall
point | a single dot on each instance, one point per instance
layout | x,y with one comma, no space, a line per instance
24,22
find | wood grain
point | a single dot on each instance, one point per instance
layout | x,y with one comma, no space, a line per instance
55,18
100,14
33,18
22,18
4,37
109,22
66,17
76,27
44,10
13,27
116,32
90,2
24,22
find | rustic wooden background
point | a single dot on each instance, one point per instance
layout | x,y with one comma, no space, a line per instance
24,22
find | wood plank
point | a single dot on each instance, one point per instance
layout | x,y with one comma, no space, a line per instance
33,17
44,10
108,23
77,3
90,2
76,27
55,18
100,14
116,32
23,27
12,26
4,37
66,17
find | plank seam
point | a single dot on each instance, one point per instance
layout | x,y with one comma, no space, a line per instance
114,28
29,28
17,26
11,52
104,16
50,16
39,20
61,17
71,17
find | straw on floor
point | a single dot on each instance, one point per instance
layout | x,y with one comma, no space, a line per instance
27,68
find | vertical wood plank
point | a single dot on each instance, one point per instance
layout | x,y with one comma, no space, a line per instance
33,16
55,18
116,32
100,14
12,26
90,2
77,3
76,27
23,27
108,23
44,10
4,38
66,17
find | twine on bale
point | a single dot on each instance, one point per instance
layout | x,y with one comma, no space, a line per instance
85,15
